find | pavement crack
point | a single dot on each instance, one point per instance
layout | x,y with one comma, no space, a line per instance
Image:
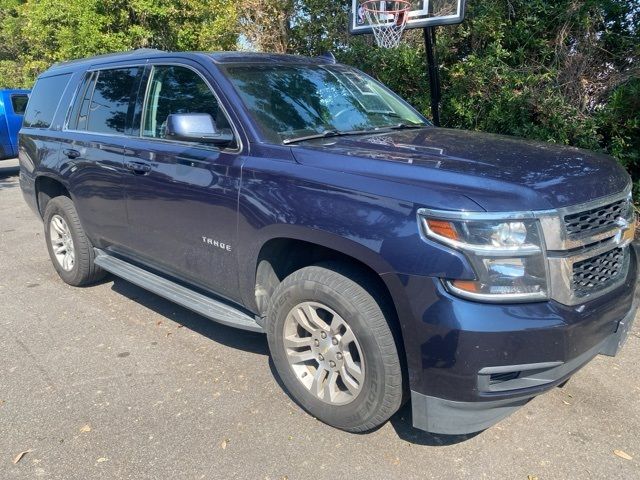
38,366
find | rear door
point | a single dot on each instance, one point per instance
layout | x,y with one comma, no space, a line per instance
92,151
182,204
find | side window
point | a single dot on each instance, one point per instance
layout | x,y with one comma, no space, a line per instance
111,101
80,111
19,103
44,100
174,89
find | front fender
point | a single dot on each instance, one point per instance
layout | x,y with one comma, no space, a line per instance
293,201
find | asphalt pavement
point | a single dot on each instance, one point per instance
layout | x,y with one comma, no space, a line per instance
112,382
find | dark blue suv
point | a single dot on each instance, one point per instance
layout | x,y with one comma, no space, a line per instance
383,257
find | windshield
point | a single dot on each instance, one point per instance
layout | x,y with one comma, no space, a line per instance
295,101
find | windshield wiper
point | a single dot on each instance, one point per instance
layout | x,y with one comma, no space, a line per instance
406,126
344,133
327,134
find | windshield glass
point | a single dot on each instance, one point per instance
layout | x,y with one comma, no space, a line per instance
293,101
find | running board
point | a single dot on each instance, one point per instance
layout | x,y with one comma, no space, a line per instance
202,304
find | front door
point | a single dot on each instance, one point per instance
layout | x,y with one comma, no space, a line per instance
182,202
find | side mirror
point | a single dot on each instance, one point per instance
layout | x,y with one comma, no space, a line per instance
196,127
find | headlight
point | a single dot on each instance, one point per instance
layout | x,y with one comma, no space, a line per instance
507,255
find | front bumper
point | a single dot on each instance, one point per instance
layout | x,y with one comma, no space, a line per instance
438,415
472,364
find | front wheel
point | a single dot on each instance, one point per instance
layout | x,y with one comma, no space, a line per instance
333,347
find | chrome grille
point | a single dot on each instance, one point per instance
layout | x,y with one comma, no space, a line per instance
596,219
597,273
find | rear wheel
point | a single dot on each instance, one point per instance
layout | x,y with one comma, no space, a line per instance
70,250
333,347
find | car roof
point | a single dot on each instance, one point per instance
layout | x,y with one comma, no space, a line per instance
273,58
143,54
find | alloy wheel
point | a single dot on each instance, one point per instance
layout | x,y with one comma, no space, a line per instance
324,353
62,243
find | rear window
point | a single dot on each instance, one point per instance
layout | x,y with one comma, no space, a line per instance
19,103
44,101
105,100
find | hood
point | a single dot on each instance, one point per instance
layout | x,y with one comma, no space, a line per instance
498,173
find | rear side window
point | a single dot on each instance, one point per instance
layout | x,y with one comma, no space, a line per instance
105,101
44,101
19,103
80,111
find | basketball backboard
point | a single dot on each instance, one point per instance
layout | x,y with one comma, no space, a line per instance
424,13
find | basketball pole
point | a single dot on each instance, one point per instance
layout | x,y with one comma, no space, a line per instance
434,73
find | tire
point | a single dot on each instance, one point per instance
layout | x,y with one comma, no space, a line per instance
336,289
60,216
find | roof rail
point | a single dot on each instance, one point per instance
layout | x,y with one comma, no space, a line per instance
328,56
107,55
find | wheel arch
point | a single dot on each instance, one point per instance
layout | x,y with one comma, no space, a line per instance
292,247
46,188
280,256
276,257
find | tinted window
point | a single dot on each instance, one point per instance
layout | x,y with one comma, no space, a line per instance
175,89
80,110
111,100
19,103
44,101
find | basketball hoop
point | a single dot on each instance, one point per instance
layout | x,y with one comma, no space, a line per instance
387,20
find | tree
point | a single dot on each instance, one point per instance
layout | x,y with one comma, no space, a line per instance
37,33
265,24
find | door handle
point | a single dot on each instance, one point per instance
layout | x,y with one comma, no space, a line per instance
139,168
71,153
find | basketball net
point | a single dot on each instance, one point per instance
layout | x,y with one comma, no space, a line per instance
387,20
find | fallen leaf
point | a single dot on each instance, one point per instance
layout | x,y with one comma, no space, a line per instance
20,455
180,326
223,445
565,402
158,323
532,477
102,459
617,453
85,429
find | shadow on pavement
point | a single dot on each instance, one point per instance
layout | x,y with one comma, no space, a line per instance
231,337
257,343
402,423
9,168
8,176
